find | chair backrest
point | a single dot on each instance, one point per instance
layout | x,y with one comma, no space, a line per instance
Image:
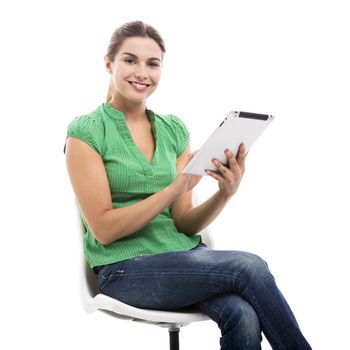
207,238
88,286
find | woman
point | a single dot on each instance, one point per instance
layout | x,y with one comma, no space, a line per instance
141,236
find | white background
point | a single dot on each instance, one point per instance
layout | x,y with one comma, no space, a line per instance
289,59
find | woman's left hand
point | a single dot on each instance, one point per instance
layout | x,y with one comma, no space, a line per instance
230,177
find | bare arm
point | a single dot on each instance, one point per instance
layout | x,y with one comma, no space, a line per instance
90,184
198,218
91,187
191,220
121,222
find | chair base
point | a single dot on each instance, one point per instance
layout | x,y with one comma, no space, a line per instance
174,338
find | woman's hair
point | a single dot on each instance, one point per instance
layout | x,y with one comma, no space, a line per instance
129,30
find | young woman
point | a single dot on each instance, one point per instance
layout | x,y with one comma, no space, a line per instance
141,237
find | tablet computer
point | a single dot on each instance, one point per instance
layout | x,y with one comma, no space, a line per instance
236,128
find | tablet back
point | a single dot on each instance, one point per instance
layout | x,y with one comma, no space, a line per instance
236,128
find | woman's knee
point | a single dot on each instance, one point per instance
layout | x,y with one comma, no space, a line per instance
231,312
238,322
254,267
246,333
249,321
240,316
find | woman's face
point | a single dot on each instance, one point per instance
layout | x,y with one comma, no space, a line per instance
136,69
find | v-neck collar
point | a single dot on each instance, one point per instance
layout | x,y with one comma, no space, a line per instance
120,118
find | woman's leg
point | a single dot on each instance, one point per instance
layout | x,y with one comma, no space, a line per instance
178,279
238,322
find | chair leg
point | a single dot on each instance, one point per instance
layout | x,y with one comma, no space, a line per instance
174,338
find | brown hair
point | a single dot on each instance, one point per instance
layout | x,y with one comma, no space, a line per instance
129,30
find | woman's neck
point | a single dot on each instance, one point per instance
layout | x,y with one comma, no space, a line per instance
132,110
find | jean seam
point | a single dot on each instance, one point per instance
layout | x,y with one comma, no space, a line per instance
207,273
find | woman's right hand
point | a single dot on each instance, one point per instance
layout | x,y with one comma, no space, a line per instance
186,182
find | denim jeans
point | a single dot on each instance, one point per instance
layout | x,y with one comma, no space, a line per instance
234,288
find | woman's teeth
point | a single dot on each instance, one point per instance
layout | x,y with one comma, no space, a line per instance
139,86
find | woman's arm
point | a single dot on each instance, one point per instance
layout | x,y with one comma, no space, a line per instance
90,184
91,187
191,220
117,223
198,218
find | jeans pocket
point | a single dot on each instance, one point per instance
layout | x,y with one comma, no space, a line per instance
108,272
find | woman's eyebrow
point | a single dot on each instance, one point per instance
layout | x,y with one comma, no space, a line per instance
131,54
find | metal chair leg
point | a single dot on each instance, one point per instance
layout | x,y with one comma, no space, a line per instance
174,338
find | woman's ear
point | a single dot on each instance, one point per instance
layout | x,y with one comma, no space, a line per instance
108,64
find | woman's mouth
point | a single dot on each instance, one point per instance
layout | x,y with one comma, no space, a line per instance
139,86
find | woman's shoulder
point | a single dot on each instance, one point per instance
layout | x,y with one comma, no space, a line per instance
177,130
91,119
171,120
88,128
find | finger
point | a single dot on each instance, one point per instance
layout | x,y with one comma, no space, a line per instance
221,168
231,160
215,175
241,156
191,155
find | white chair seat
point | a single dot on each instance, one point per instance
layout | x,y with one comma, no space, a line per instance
183,317
93,300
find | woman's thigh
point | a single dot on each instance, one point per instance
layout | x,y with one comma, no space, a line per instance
178,279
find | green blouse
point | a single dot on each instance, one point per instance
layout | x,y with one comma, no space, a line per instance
133,178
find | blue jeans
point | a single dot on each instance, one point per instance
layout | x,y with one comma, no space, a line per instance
234,288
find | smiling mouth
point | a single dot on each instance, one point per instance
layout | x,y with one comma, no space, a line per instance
139,86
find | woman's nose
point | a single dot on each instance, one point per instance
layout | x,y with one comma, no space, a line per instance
141,74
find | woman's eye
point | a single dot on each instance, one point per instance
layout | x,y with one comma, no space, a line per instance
152,64
132,61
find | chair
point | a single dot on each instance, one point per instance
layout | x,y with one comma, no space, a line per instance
93,300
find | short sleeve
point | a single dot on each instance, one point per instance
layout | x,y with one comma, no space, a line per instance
181,135
88,129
